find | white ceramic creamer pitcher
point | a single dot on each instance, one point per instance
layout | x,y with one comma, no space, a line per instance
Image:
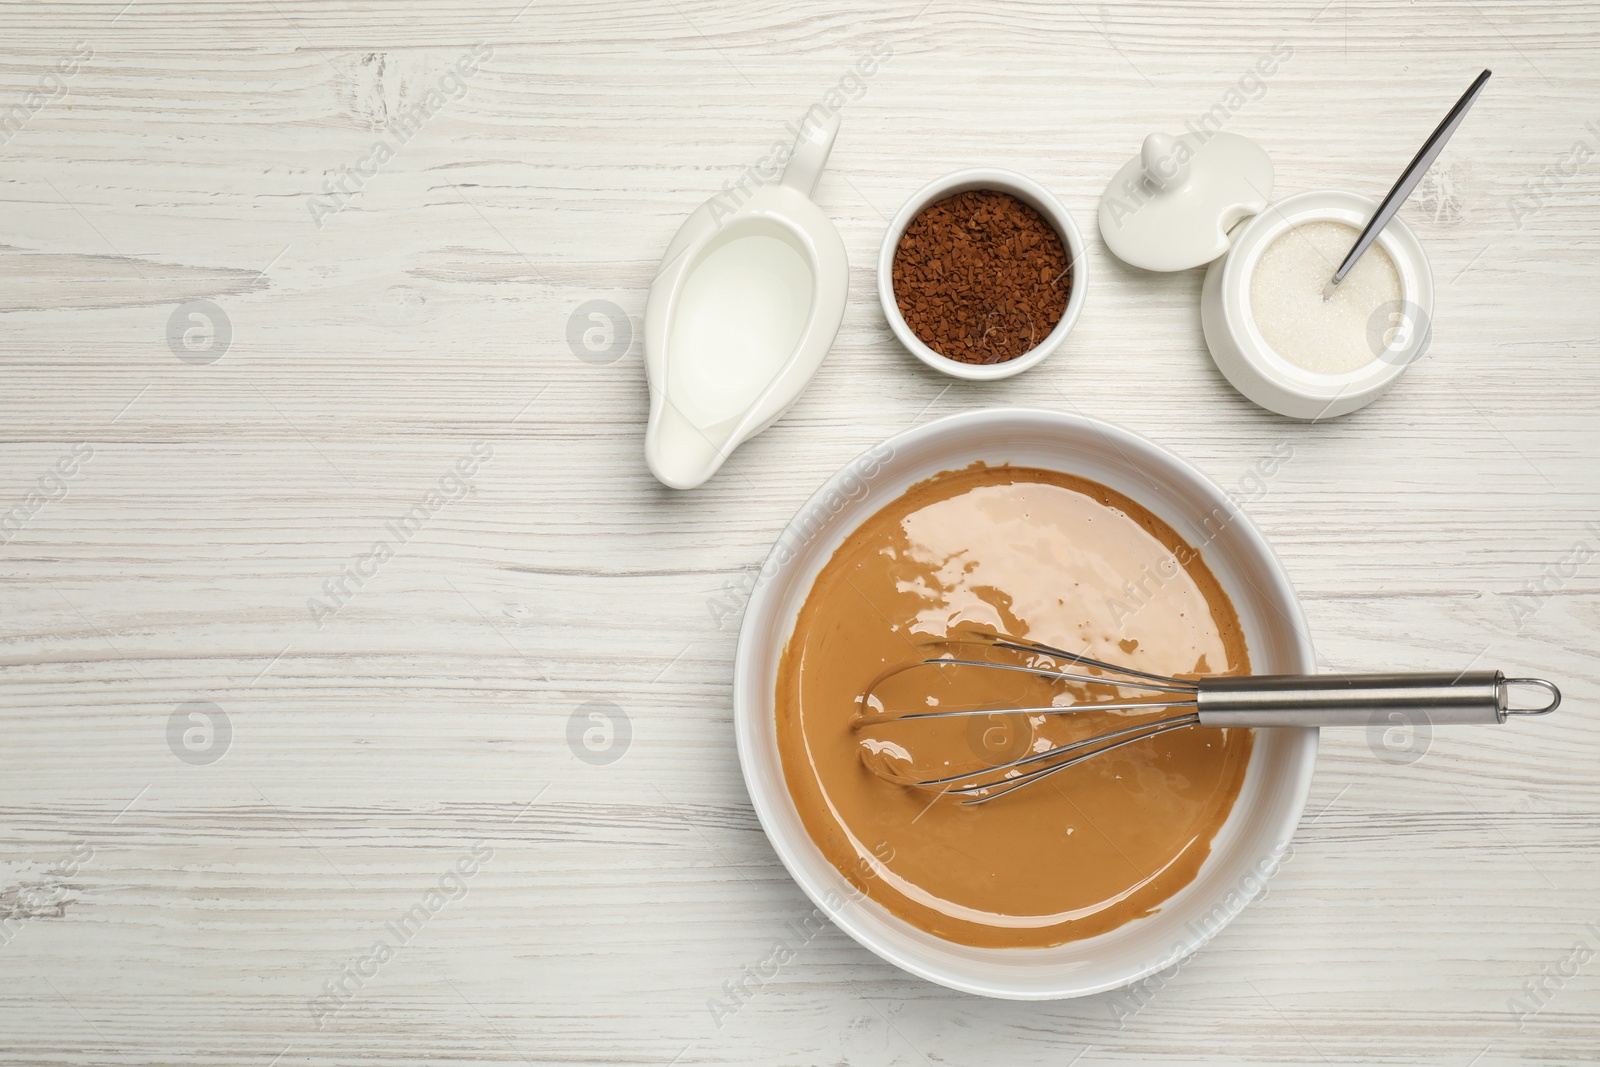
748,301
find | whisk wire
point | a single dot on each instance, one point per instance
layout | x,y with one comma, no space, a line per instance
1058,758
1097,747
1045,709
1128,732
1060,675
1017,644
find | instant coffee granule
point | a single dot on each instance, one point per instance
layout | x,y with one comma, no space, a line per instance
981,277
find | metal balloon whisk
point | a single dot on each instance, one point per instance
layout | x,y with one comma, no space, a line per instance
1441,698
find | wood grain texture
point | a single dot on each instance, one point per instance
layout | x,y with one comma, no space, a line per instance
162,912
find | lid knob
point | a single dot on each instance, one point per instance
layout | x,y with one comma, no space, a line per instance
1164,165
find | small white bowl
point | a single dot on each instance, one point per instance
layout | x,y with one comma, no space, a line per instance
1255,369
1035,196
1253,840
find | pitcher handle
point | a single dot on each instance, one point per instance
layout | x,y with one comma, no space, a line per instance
810,154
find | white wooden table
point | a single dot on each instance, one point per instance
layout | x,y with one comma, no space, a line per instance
191,894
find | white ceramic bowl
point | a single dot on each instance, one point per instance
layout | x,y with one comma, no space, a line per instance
1256,370
1035,196
1252,841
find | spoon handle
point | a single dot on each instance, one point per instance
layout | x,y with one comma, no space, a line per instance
1413,174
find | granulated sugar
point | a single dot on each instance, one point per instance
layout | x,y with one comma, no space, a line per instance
1327,336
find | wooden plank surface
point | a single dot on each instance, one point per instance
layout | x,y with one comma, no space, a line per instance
159,910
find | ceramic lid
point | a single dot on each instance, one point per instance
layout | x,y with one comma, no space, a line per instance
1171,206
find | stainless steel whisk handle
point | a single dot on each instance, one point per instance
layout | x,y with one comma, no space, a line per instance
1443,698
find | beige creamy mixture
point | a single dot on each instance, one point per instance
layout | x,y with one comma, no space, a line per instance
1035,554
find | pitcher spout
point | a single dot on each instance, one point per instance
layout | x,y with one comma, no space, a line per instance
680,454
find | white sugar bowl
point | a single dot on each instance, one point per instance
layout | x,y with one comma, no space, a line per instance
1187,201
